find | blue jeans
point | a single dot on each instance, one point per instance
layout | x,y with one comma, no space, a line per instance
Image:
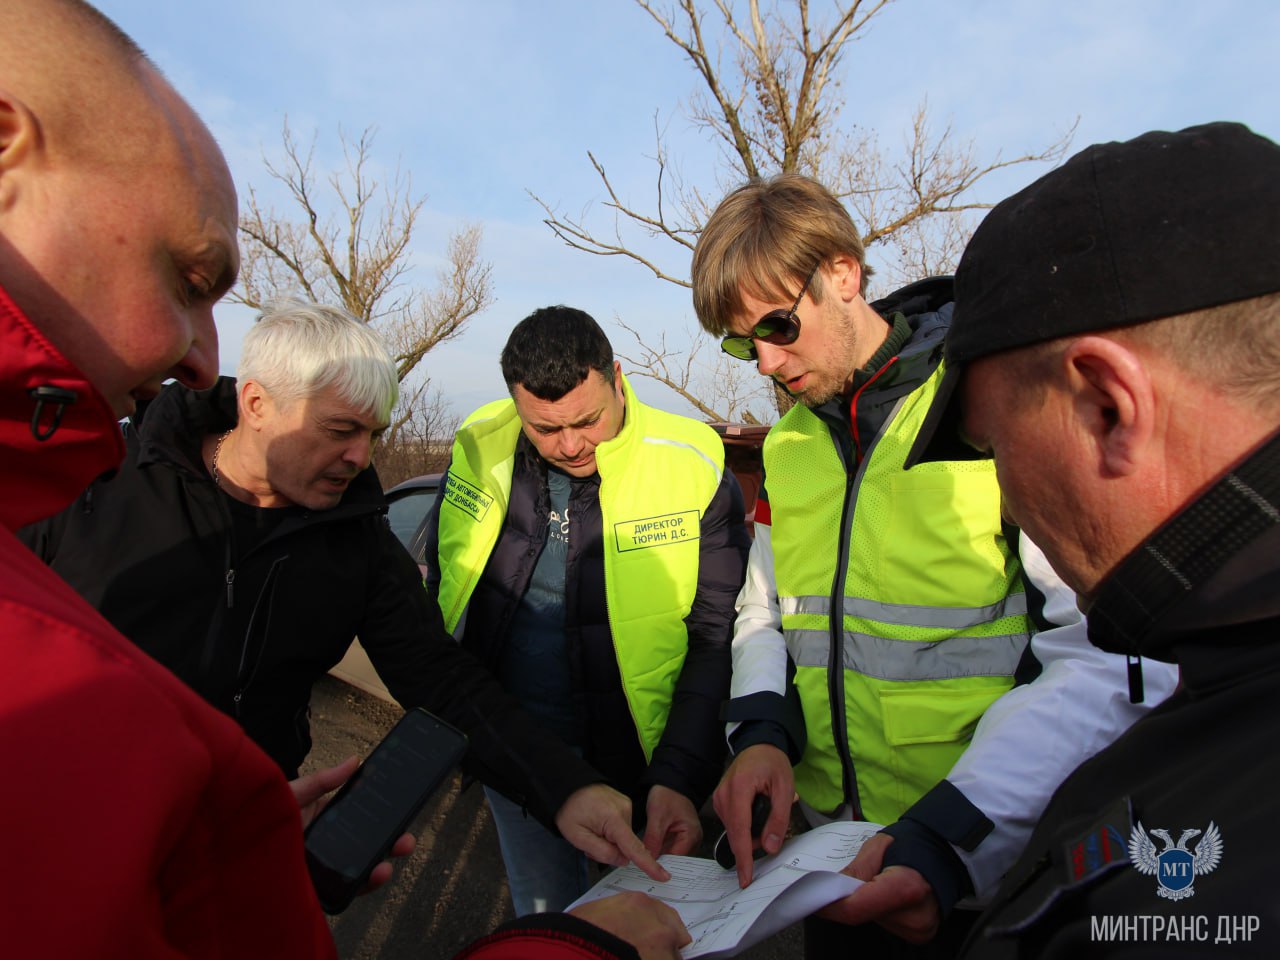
544,872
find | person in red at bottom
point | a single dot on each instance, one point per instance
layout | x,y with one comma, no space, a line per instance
138,821
645,928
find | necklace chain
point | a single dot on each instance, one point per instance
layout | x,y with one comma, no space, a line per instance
213,467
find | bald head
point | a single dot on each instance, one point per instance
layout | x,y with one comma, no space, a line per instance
117,211
68,63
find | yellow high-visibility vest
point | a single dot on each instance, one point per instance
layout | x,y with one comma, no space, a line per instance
901,605
657,478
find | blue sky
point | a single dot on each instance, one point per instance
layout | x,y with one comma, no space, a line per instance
485,100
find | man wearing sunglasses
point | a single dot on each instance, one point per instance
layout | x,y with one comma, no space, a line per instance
886,612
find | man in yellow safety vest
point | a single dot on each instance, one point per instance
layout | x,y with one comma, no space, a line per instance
891,657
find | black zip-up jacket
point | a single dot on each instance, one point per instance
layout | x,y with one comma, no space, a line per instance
689,757
1202,592
153,549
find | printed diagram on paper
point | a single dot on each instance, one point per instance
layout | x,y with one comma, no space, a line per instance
723,920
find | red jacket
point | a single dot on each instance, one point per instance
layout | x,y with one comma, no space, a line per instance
549,936
135,820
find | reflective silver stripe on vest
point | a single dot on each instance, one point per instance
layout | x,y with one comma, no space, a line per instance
908,615
888,659
665,442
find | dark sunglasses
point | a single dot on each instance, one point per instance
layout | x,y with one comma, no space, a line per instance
778,327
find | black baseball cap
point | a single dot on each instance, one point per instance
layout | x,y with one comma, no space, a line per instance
1120,234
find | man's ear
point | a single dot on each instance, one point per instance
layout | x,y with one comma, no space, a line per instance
254,404
1114,399
19,137
844,277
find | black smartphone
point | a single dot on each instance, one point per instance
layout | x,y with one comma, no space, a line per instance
358,827
760,809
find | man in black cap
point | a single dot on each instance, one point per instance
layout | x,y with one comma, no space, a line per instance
1117,327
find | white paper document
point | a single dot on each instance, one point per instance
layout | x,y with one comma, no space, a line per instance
723,920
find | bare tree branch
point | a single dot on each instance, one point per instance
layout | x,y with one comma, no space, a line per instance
461,292
720,390
419,438
577,235
769,95
366,263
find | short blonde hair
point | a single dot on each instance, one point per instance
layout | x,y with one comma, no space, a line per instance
763,240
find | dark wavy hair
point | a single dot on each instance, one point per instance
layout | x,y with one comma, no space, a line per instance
553,350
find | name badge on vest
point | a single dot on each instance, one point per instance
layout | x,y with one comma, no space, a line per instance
470,500
657,531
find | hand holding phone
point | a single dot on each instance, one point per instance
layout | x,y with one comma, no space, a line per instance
360,825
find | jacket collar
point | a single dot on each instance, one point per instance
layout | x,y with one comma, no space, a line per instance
923,296
172,428
1210,573
41,477
924,308
620,450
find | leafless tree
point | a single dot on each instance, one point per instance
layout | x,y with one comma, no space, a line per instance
419,438
360,253
719,389
352,244
769,97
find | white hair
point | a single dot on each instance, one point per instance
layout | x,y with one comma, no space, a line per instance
298,348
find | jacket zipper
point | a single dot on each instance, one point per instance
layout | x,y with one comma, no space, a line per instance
229,579
213,636
248,669
835,659
835,617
